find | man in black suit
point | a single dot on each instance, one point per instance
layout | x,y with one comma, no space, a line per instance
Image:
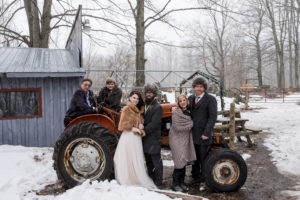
152,127
204,115
82,102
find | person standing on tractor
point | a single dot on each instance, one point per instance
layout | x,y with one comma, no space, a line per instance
82,102
152,141
204,115
181,142
129,157
110,95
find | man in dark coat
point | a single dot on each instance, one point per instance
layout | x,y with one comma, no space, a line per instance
110,95
204,115
82,102
152,141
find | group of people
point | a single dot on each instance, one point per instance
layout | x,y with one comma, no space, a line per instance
140,123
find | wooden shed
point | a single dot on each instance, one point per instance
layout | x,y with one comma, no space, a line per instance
36,87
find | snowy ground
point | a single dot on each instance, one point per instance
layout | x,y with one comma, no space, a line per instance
283,121
26,170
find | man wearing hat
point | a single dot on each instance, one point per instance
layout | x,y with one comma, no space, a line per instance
152,127
110,95
204,115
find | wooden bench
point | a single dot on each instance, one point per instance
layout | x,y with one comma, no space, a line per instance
231,124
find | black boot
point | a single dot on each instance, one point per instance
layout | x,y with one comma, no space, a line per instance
176,181
181,180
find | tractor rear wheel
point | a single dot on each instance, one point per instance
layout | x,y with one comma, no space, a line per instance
225,170
84,151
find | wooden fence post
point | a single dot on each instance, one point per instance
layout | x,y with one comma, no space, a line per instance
232,125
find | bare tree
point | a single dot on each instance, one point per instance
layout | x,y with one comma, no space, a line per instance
278,28
296,43
254,22
215,45
41,21
158,15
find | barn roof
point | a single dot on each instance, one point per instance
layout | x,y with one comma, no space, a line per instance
38,62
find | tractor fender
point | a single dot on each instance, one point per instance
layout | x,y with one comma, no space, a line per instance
100,119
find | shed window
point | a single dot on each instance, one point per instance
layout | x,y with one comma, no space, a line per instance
20,103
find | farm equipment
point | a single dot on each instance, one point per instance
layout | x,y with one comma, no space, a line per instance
86,148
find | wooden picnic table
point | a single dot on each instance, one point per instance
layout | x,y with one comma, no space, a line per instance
240,129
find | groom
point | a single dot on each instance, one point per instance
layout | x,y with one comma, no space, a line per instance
204,115
152,126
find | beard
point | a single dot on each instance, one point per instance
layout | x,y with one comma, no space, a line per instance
148,101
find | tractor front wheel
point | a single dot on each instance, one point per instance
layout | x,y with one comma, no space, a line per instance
84,151
225,170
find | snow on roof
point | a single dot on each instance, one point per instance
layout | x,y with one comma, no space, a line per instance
38,62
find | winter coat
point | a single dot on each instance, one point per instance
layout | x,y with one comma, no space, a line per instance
110,98
181,139
152,124
79,105
204,115
131,117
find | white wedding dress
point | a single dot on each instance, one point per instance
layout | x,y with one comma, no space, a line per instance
129,162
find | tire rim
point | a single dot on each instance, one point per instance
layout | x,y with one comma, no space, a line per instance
84,159
226,172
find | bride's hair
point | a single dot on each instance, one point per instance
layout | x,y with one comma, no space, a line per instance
141,101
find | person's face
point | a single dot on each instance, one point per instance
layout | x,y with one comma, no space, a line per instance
183,103
199,89
134,99
149,95
110,86
85,86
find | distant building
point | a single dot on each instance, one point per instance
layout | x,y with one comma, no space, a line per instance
36,87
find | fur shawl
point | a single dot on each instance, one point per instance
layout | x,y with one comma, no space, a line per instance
131,117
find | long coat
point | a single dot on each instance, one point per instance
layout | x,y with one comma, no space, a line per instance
110,98
204,115
79,105
181,139
152,126
131,117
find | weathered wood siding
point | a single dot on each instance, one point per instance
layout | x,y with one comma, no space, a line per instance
40,132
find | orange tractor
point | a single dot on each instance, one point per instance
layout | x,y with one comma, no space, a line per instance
86,148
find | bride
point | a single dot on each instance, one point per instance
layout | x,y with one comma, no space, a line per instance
129,161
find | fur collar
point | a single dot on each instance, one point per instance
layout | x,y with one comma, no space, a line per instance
134,108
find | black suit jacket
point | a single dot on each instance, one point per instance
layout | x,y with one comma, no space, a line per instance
152,125
204,116
79,105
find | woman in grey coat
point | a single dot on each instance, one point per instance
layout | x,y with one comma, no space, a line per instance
181,142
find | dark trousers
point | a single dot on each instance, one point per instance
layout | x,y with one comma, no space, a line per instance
155,167
197,167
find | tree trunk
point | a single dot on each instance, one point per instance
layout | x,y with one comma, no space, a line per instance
45,24
296,46
290,28
258,53
140,44
259,62
38,38
278,47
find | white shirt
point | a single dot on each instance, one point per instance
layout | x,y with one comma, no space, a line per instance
198,98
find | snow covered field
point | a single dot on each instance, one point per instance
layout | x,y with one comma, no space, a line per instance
25,170
283,121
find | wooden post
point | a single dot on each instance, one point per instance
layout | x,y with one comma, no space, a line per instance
232,125
247,98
